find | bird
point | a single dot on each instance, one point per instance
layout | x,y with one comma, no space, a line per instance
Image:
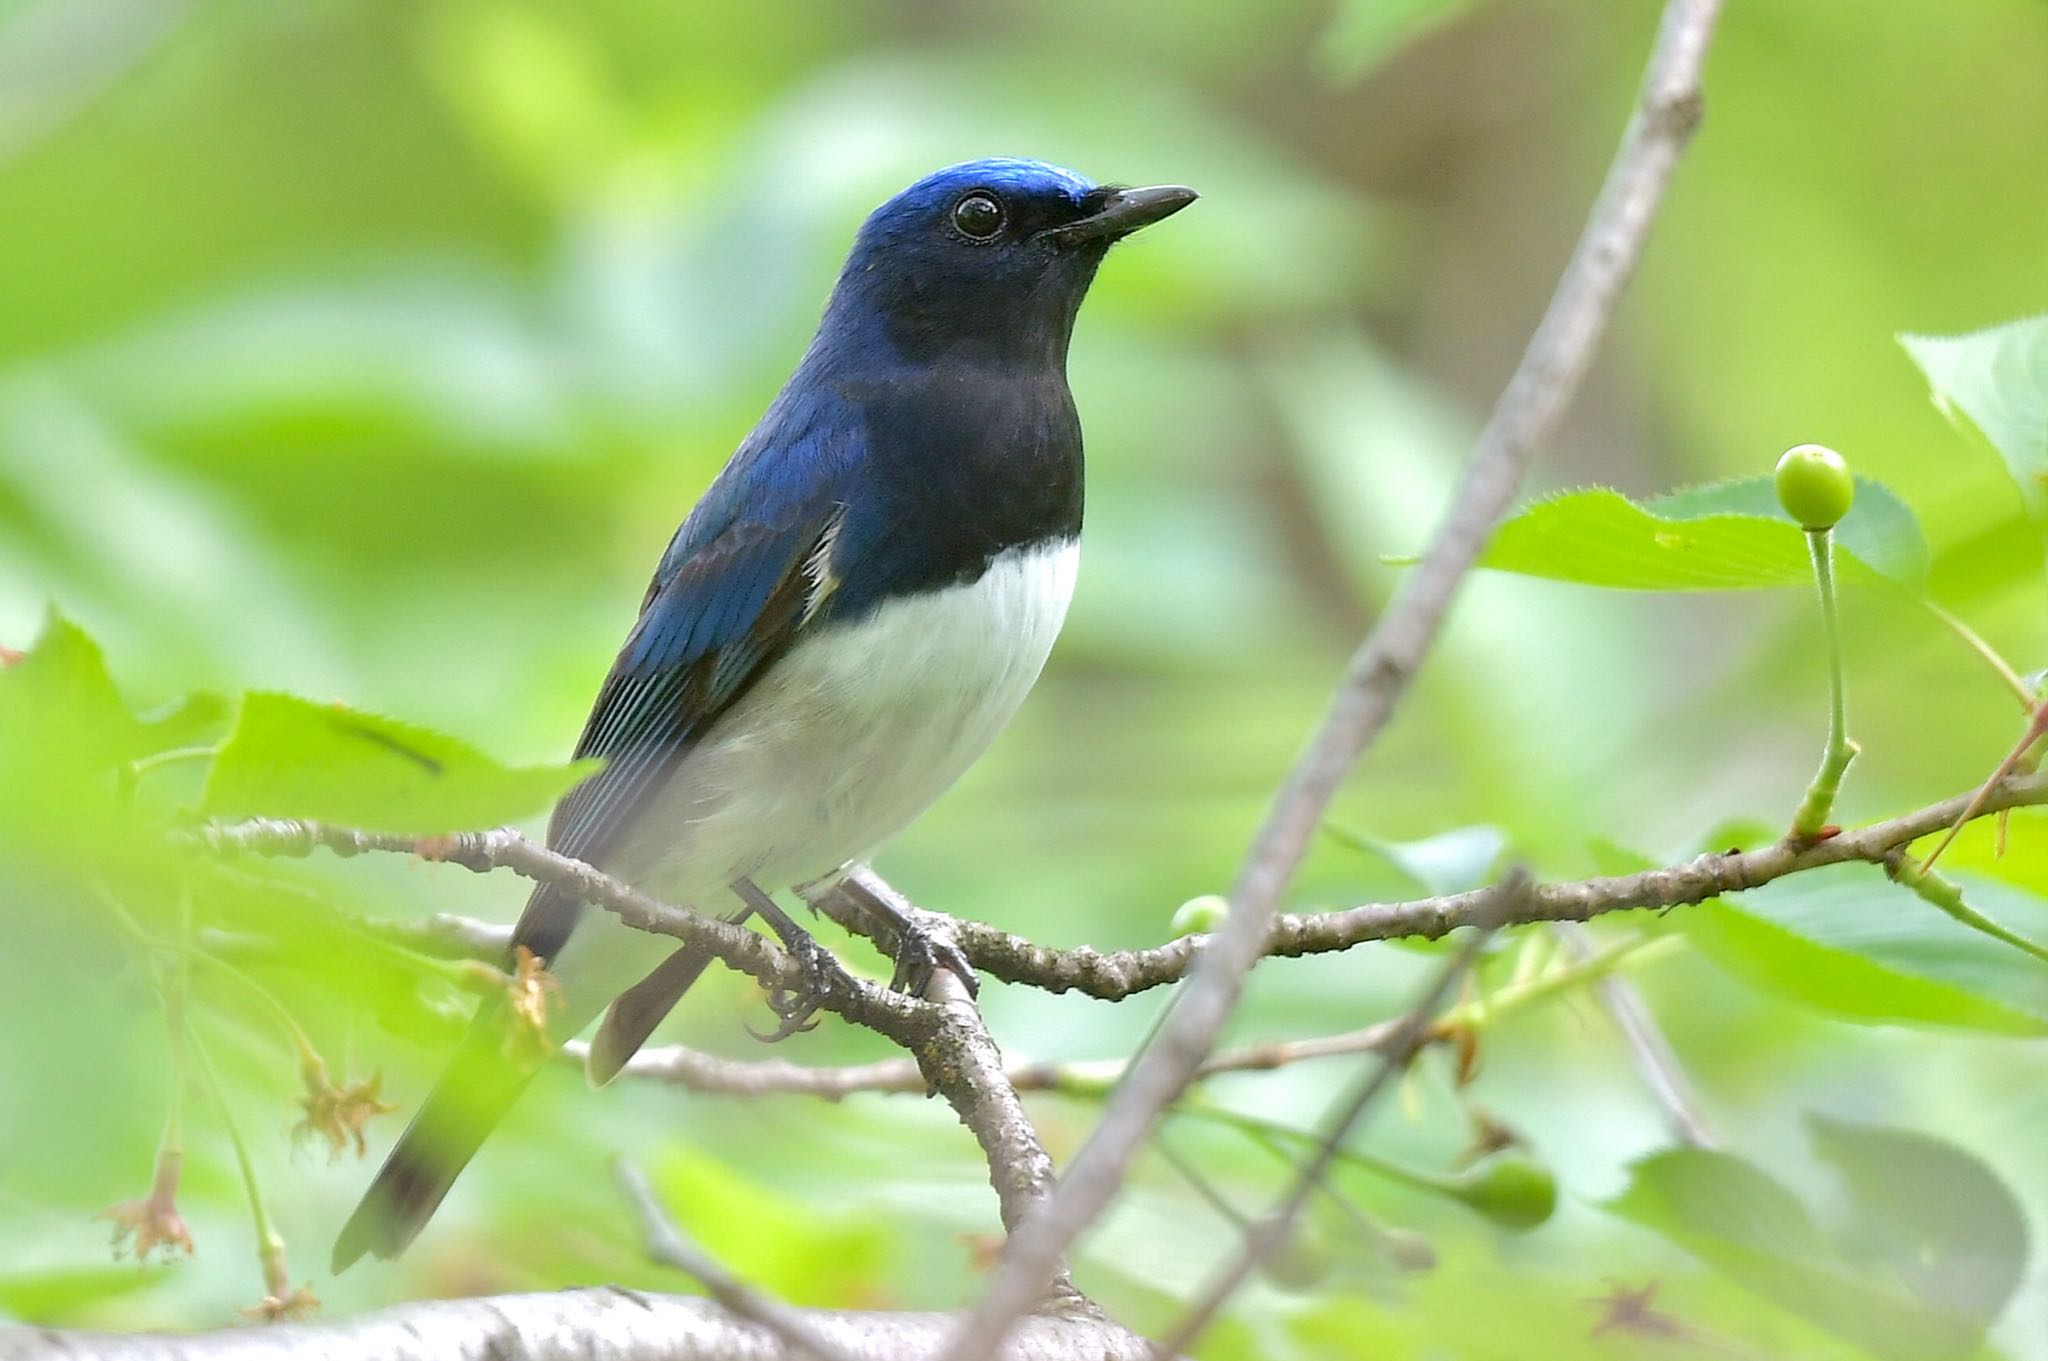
853,610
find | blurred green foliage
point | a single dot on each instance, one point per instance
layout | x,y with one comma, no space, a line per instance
370,353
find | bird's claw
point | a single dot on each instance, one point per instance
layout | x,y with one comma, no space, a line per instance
920,953
796,1008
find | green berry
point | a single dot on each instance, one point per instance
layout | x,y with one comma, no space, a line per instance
1200,916
1512,1192
1305,1260
1814,485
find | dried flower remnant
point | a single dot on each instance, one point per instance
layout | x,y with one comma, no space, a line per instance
281,1303
153,1220
531,995
338,1112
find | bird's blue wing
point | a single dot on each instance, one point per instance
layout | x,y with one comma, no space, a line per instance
737,587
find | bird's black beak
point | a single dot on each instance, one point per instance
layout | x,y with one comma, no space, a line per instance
1116,213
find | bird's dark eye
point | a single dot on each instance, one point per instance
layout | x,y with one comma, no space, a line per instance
978,216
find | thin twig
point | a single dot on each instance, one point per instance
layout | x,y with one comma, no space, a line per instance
903,1019
1096,1078
667,1245
701,1072
1646,1042
1527,414
1411,1033
953,1049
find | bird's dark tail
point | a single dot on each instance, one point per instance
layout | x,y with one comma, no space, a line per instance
480,1085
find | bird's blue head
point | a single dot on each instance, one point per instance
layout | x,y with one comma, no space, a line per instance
986,262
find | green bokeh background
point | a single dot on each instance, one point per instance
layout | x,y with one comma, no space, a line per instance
372,351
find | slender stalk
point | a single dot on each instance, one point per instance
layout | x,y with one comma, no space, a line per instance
1947,895
310,1062
1260,1129
302,1044
1203,1187
269,1245
1637,952
176,984
1812,817
1405,1249
1977,643
2037,727
265,1235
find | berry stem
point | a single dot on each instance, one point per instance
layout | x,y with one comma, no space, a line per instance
1976,642
269,1247
1812,816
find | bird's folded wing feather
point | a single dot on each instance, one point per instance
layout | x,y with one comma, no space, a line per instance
711,624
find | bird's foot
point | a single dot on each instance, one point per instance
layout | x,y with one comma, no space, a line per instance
796,1008
921,951
818,973
924,940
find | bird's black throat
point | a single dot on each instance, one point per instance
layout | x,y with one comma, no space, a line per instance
966,463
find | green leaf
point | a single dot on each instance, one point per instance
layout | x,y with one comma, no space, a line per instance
293,758
1451,862
63,719
1880,531
1614,859
1932,1215
61,691
1848,942
1724,537
61,1294
1998,378
1745,1224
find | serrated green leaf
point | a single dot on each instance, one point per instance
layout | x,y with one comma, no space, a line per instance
1691,541
1880,531
1933,1215
63,722
290,757
1848,942
1745,1224
61,689
1998,378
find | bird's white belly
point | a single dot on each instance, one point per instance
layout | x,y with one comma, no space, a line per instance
839,747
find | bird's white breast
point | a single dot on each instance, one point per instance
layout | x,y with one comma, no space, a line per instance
838,747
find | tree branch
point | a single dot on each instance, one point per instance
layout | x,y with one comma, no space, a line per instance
906,1020
1115,974
604,1324
954,1052
701,1072
1408,1036
1523,420
667,1245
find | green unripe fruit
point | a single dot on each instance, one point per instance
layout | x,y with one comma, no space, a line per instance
1814,485
1512,1192
1305,1260
1200,916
